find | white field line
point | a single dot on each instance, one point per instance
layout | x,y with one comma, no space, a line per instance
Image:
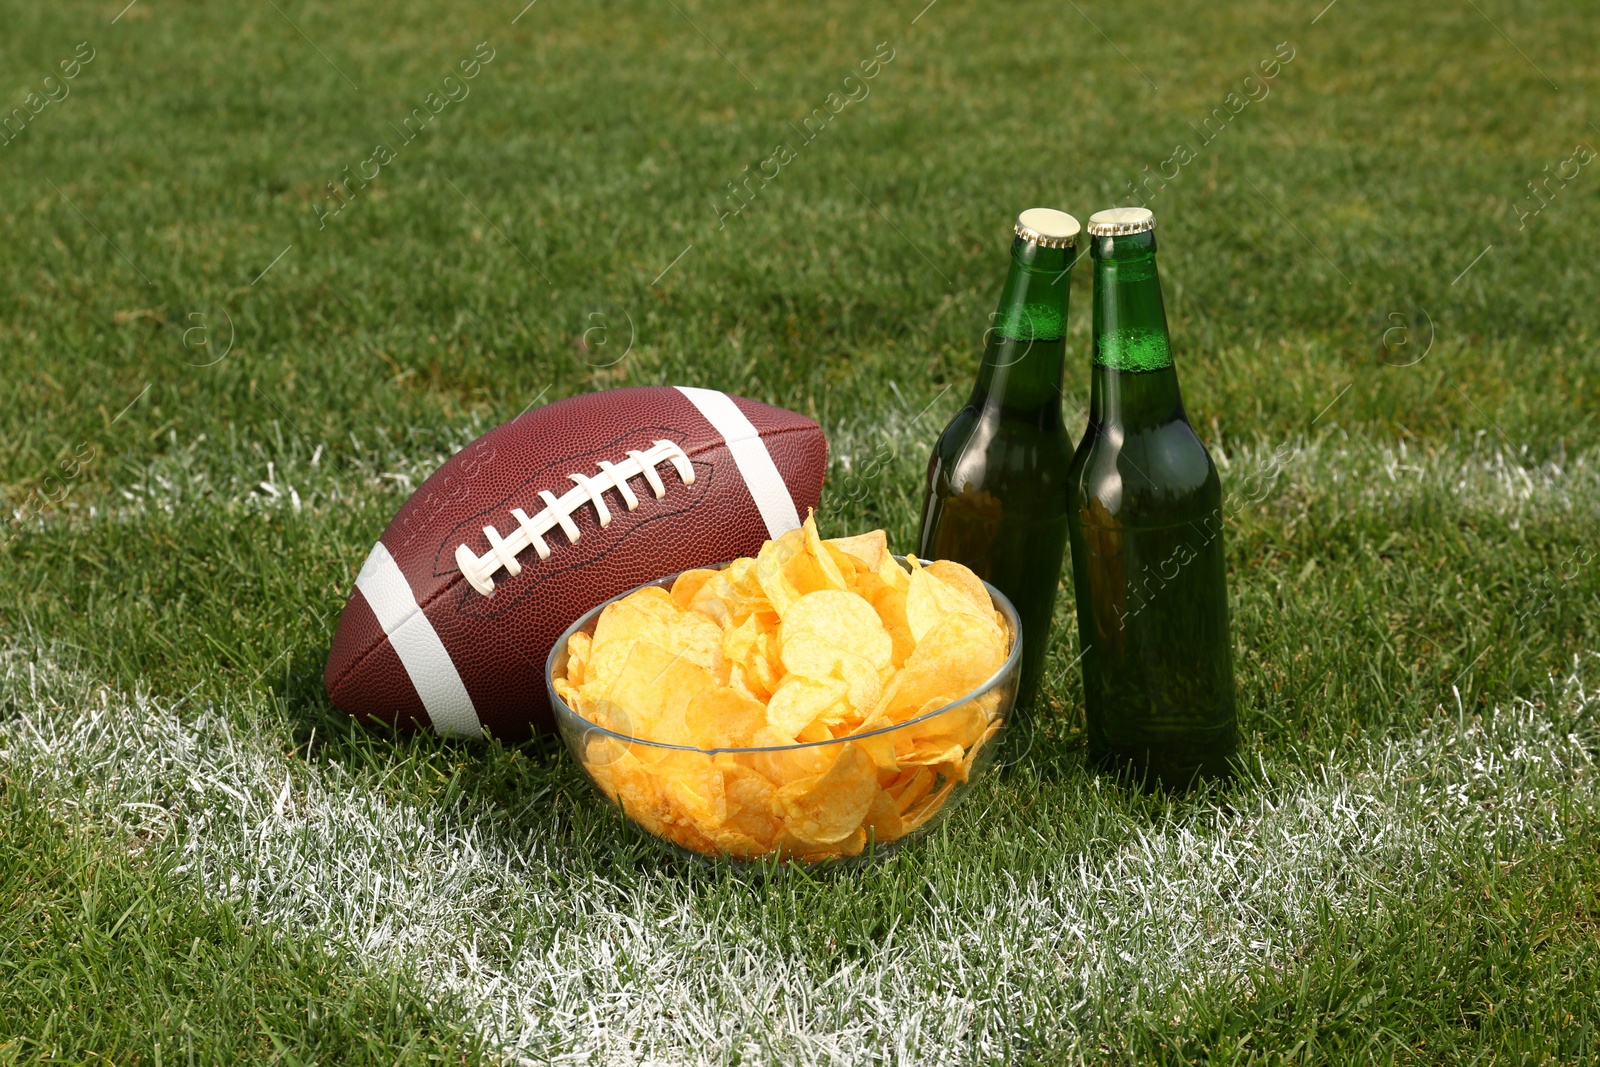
1478,474
869,457
555,966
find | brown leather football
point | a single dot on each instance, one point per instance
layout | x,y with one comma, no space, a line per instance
539,520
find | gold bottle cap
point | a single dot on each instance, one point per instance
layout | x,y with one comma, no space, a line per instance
1048,227
1121,221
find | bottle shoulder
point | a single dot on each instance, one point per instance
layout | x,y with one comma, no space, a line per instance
980,449
1147,477
974,430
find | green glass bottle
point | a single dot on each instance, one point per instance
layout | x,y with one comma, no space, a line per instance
1146,521
997,481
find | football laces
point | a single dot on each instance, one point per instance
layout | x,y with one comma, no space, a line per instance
587,490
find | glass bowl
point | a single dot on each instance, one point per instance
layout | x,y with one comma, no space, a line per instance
864,794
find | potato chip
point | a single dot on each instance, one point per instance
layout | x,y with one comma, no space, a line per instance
787,761
959,654
765,667
739,649
836,634
636,790
816,658
848,565
720,717
958,724
731,595
882,820
959,578
654,688
750,798
600,750
881,746
890,604
739,640
930,600
806,574
742,573
827,808
840,619
816,731
912,752
850,846
748,651
686,835
566,691
687,584
870,549
579,648
729,841
652,616
894,782
896,703
694,786
832,574
962,771
928,807
893,575
989,704
911,793
971,646
715,600
739,684
771,571
792,845
649,602
800,700
605,714
796,564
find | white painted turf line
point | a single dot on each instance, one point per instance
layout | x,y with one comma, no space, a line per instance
255,476
557,967
1475,472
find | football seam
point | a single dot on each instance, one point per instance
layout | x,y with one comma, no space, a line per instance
422,606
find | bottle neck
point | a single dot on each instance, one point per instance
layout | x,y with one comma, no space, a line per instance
1133,384
1024,352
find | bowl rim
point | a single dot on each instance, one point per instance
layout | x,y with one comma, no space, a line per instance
1001,602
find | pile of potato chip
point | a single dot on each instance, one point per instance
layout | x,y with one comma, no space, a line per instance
810,641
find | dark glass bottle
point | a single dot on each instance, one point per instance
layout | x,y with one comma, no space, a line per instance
1146,522
997,481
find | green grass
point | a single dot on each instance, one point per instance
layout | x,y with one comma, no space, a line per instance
1416,560
108,954
1432,983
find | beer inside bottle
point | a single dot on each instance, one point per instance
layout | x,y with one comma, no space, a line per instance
997,481
1146,524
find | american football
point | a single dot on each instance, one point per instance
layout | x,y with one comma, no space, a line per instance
543,517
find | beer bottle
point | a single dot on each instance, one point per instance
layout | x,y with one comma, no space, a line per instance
997,481
1146,523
